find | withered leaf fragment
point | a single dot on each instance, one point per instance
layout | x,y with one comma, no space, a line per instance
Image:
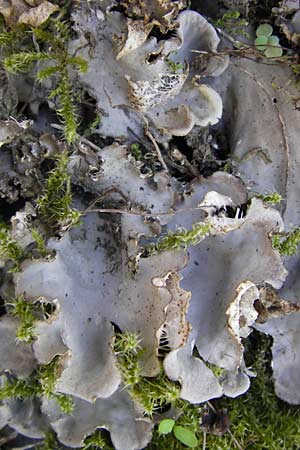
18,12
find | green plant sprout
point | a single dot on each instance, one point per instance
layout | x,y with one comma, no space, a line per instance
174,66
135,150
55,40
50,442
180,239
54,205
25,312
93,125
182,434
258,419
267,42
287,244
96,441
40,383
9,248
40,242
273,198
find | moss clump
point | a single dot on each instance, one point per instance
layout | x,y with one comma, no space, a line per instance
54,205
259,420
273,198
287,245
179,239
50,442
97,441
25,312
152,394
40,383
48,45
9,248
40,242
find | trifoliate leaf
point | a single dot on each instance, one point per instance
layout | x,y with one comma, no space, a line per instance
187,437
166,426
264,30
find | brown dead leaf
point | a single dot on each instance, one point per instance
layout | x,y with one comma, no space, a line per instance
31,12
38,15
270,305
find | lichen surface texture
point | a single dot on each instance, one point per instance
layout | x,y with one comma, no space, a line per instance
149,224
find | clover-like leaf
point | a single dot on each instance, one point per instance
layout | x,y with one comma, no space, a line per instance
186,436
274,52
264,30
166,426
260,42
273,40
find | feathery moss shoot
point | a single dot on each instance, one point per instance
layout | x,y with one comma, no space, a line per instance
24,311
27,313
54,41
54,205
150,393
9,248
40,242
40,383
180,239
287,245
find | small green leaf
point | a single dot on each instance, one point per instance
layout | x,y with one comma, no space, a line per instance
264,30
166,426
273,40
274,52
187,437
260,43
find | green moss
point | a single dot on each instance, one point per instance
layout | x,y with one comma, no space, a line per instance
40,242
97,441
151,394
40,383
287,245
273,198
259,420
179,239
9,248
54,205
174,67
25,312
50,442
233,23
53,40
47,378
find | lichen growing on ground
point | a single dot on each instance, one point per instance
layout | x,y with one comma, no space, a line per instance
149,235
